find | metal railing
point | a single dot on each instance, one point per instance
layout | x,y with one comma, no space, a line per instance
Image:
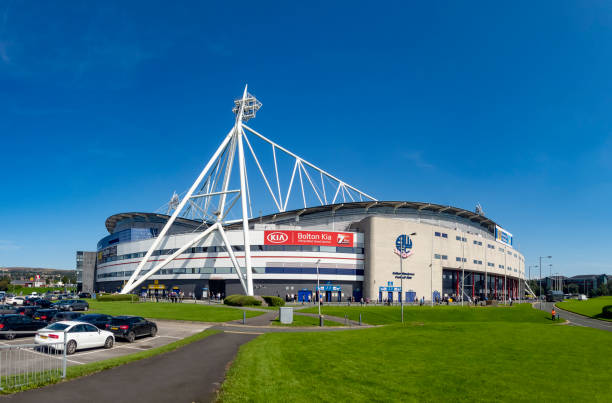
23,364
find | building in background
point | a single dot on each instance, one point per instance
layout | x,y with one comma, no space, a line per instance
86,271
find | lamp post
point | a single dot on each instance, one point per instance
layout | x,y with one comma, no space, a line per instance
318,290
402,281
542,257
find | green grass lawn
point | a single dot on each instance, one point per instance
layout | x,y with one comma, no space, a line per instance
301,320
591,307
382,315
166,310
490,354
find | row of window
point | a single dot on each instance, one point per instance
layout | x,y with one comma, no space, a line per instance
256,270
239,248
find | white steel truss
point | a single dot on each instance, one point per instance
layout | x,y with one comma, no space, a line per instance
211,198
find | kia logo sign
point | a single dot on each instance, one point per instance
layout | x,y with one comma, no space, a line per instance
277,237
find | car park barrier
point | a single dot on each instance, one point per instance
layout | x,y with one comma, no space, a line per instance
31,364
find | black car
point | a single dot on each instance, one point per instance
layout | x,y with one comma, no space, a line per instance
4,309
45,315
84,295
27,310
72,305
98,319
42,302
18,323
130,327
66,316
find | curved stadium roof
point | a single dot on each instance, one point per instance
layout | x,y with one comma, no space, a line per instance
478,219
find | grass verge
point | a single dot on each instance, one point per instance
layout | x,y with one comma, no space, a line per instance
499,357
591,307
77,371
384,315
166,310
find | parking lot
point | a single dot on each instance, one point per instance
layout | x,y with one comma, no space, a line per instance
168,332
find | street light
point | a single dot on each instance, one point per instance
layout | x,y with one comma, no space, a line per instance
542,257
318,290
402,281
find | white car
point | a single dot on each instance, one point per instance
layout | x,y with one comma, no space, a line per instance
15,300
79,335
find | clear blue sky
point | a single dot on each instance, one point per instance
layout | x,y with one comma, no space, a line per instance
110,106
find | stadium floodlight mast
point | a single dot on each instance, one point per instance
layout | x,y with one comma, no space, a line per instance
210,199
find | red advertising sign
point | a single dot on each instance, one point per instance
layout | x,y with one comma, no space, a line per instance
321,238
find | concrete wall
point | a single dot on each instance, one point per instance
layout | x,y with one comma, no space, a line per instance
380,234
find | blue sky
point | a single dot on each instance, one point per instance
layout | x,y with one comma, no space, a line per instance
108,107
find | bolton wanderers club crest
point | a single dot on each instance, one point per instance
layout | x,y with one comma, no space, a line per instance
403,246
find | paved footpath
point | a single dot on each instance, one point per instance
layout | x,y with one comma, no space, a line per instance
191,373
576,319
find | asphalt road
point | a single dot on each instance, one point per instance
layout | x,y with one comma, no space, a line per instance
575,319
191,373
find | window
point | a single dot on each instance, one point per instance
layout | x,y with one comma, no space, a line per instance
491,264
436,256
438,234
501,249
501,266
444,257
458,259
441,234
477,261
509,253
490,246
458,238
477,243
444,235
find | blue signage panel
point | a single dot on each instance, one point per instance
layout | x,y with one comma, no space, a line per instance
389,289
503,236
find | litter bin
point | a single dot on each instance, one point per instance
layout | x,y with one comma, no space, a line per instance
286,315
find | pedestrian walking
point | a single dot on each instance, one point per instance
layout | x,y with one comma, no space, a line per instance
554,314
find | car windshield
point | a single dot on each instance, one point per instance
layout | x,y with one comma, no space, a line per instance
57,326
118,321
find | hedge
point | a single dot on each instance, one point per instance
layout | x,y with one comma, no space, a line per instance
241,300
606,311
274,301
117,297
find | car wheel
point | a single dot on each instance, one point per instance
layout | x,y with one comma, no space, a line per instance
70,308
71,347
9,336
153,331
109,342
131,337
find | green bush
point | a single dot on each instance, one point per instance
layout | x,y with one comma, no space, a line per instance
606,311
117,297
274,301
241,300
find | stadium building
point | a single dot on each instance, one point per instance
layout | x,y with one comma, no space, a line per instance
355,247
318,236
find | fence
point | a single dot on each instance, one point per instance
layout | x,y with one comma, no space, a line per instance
24,364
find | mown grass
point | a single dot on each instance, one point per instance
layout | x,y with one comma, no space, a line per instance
591,307
91,368
302,320
487,356
166,310
383,315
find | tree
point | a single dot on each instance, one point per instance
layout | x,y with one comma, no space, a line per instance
602,289
65,280
5,281
573,288
610,286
